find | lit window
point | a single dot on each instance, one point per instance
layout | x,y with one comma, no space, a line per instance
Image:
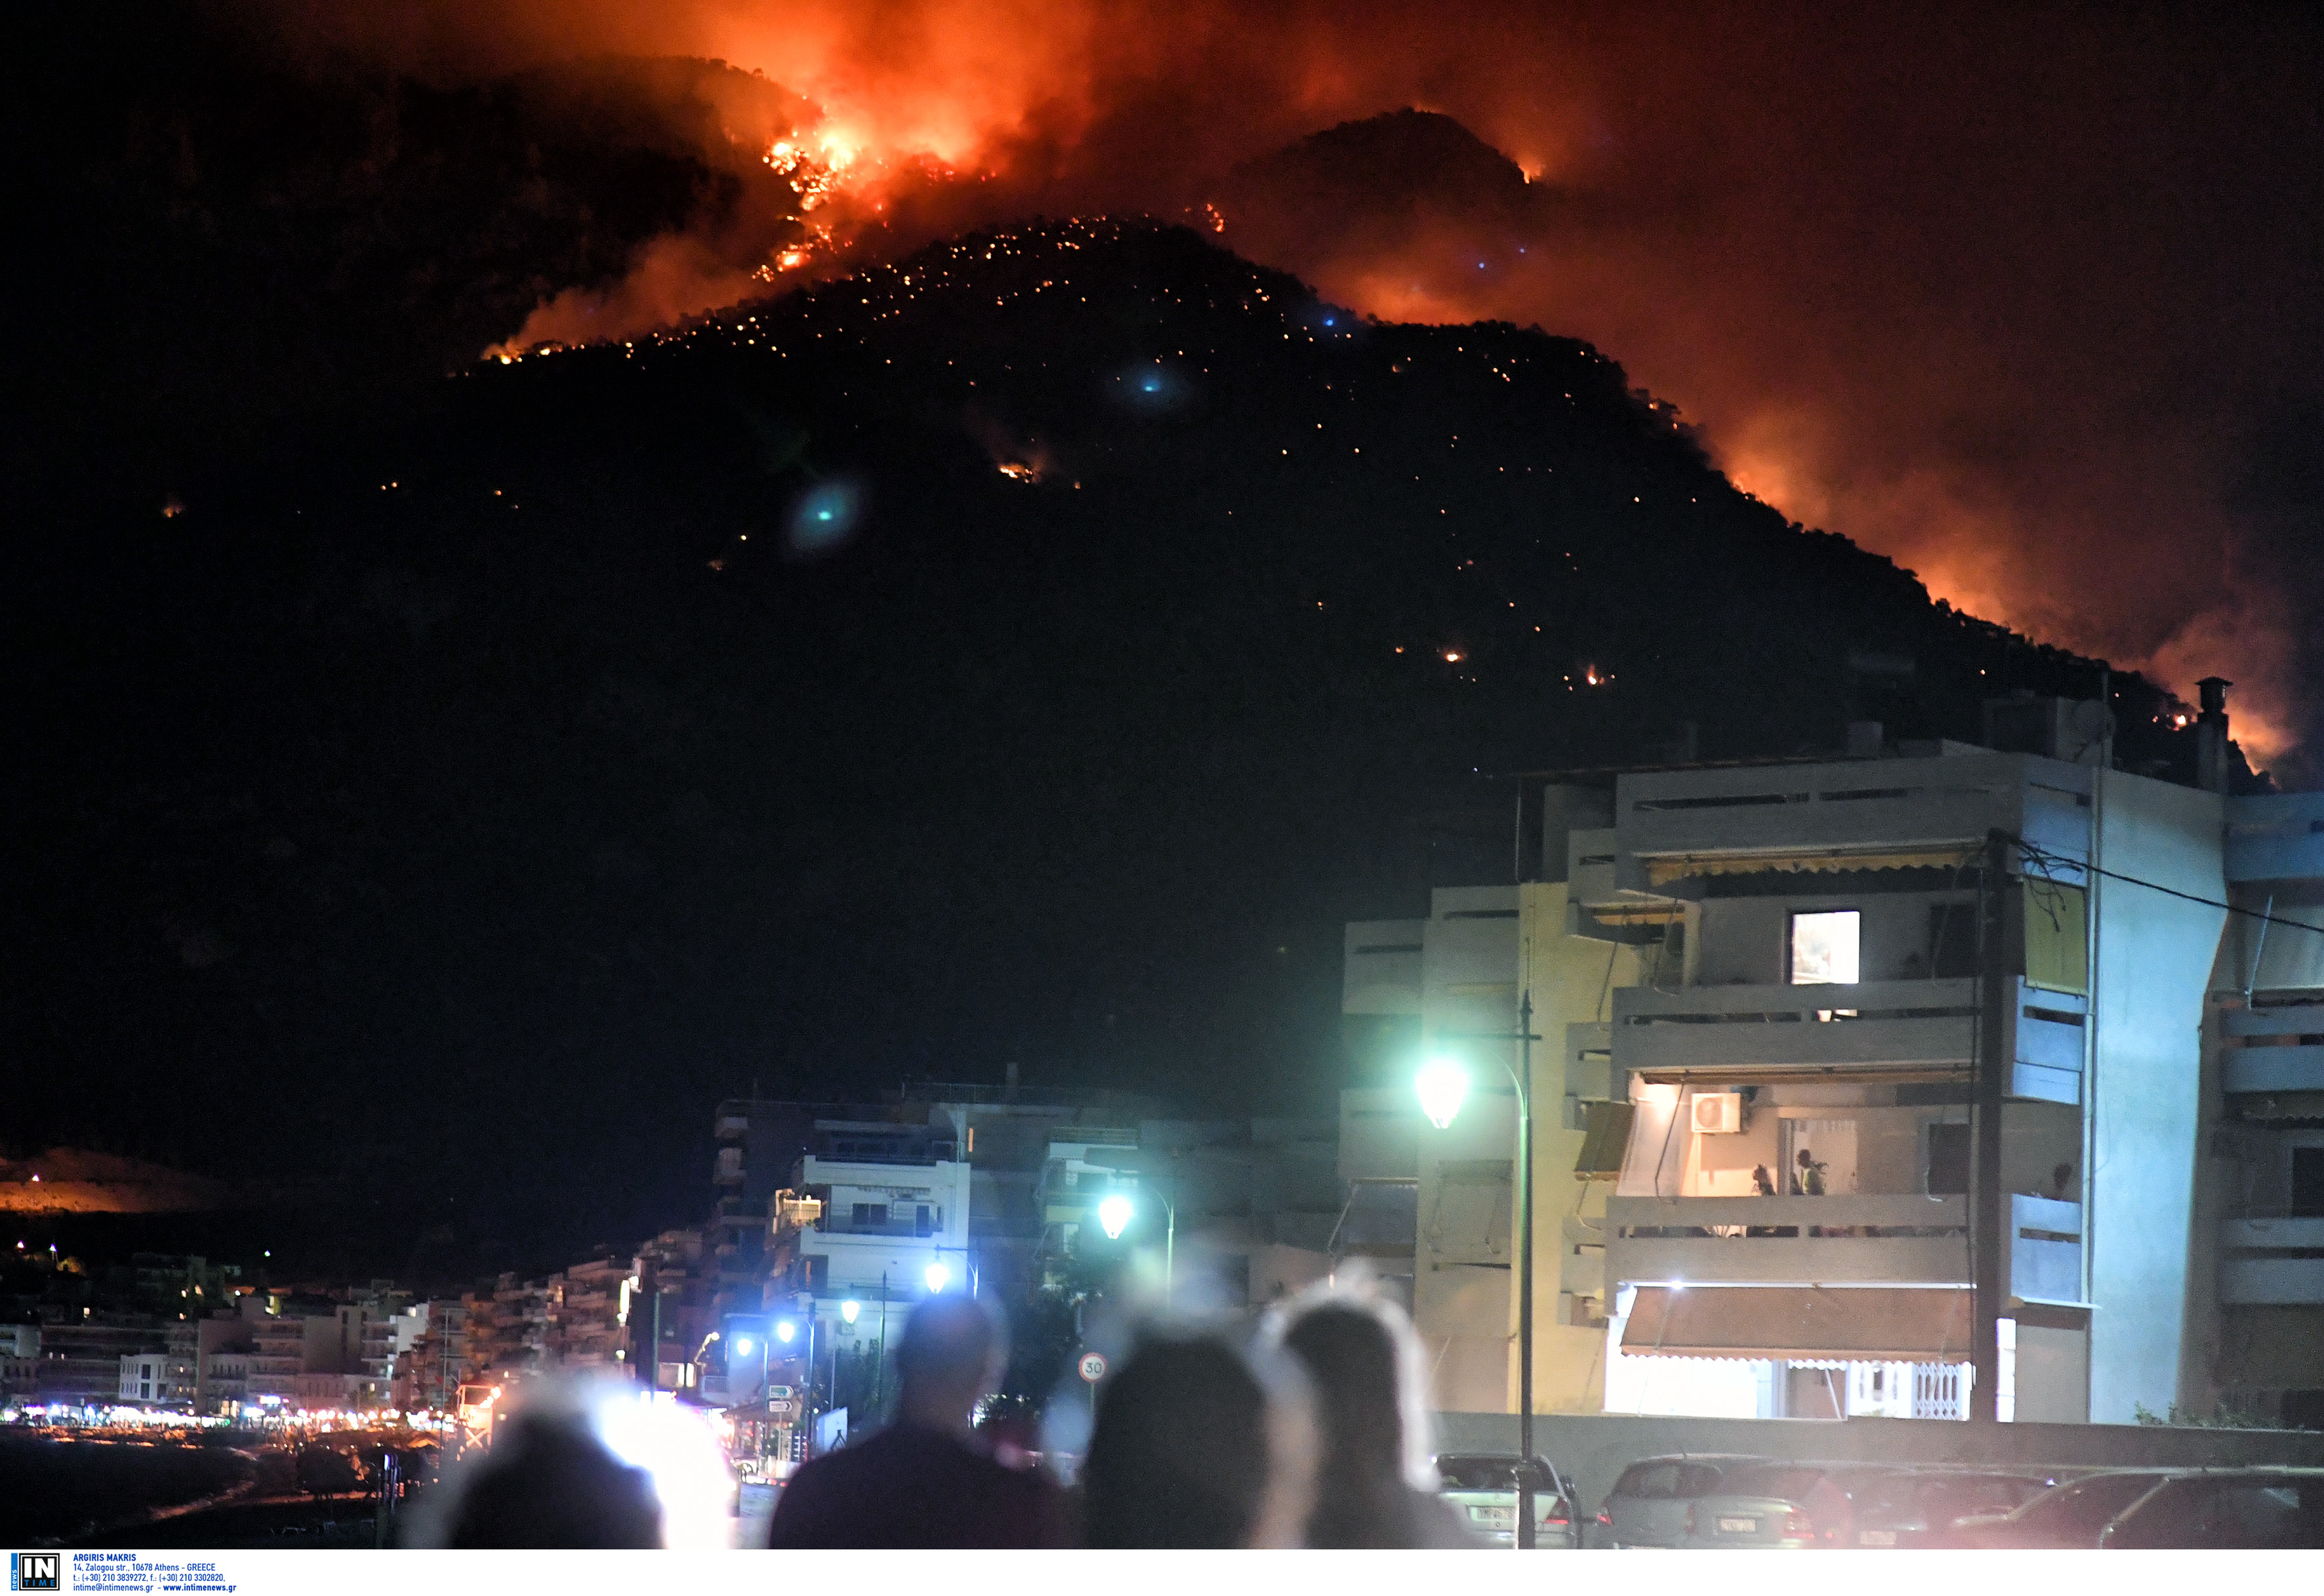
1824,947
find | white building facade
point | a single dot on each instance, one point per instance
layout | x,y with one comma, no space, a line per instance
1757,1176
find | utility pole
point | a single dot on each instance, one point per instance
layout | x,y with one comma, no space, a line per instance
1525,1482
1985,1133
1520,1077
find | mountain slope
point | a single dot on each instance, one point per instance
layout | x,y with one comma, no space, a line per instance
469,809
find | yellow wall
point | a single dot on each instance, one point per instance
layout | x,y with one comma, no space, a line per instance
1571,981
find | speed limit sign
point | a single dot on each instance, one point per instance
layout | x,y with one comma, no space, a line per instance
1092,1367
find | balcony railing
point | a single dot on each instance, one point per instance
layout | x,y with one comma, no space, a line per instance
1890,1029
1888,1024
1881,1239
2272,1263
1779,1240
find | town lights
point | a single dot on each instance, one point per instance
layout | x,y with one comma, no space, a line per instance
937,1277
784,1331
1114,1213
1443,1085
741,1346
848,1310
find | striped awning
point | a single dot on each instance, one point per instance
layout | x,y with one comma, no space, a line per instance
1817,862
1853,1323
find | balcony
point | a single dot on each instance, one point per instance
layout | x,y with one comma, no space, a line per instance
2272,1263
1767,1241
1887,808
1888,1030
1904,1239
2269,1051
1910,1029
2275,837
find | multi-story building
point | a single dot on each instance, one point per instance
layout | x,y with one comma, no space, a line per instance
1001,1131
1825,1041
1451,986
81,1353
584,1313
20,1362
429,1376
1237,1212
2256,1322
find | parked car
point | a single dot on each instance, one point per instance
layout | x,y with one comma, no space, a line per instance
1481,1487
1648,1506
1789,1504
1919,1507
2236,1509
2074,1514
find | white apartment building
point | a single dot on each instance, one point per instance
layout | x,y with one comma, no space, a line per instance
877,1217
1763,1089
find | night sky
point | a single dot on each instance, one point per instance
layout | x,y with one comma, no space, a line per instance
446,780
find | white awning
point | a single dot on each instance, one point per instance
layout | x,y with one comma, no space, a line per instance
1869,1324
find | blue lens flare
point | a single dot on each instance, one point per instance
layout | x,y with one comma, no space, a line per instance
826,518
1151,387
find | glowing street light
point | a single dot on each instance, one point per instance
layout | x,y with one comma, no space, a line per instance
784,1330
1114,1213
937,1277
741,1346
849,1309
1443,1085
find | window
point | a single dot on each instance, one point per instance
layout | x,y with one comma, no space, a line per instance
2308,1182
1952,940
920,1216
870,1216
1649,1481
1824,944
2057,946
1948,1160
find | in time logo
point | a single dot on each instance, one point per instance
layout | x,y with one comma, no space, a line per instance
35,1570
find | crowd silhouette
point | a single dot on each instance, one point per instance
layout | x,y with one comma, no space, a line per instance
1306,1429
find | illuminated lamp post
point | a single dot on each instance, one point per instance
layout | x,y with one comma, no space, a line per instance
743,1344
1443,1085
1114,1213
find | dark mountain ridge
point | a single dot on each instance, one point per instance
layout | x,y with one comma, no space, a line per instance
465,810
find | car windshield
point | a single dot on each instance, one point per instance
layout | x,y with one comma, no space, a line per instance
1794,1484
2086,1505
1490,1472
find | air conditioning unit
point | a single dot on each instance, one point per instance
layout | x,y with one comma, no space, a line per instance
1717,1113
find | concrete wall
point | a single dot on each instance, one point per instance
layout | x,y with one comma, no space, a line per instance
2155,956
1571,980
1466,1251
1593,1448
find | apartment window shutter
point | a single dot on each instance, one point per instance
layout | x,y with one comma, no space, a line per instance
1606,1136
2057,939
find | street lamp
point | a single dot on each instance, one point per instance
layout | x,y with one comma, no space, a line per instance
1113,1214
849,1309
1442,1085
937,1276
744,1341
1114,1211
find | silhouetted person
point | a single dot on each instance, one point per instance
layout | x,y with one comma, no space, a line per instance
1365,1492
1191,1449
549,1483
926,1480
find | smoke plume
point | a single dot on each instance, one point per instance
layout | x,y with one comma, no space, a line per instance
2020,297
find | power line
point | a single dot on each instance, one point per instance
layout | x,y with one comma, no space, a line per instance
2036,852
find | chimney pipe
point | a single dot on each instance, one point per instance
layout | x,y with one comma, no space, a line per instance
2211,734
